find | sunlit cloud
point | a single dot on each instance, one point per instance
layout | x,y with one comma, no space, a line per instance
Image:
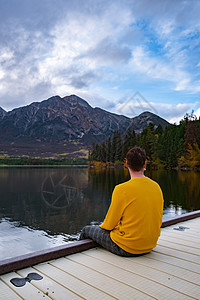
100,50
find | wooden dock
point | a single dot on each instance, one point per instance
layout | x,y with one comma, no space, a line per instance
170,271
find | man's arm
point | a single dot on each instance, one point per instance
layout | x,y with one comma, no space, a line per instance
115,211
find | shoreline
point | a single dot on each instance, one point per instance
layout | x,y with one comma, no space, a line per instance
41,166
95,167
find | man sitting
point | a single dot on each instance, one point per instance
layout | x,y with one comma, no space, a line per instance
132,223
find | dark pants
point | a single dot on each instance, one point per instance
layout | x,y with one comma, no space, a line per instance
102,237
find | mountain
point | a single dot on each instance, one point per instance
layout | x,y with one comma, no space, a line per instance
58,125
140,122
2,113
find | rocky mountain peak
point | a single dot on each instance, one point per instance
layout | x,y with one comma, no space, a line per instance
75,100
144,119
2,112
153,118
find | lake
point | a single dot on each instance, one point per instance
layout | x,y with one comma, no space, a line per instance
42,207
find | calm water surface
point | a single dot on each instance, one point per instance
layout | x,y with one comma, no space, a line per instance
46,207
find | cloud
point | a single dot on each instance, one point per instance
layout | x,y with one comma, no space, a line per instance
97,100
80,81
197,112
182,13
106,51
170,34
159,68
171,112
89,47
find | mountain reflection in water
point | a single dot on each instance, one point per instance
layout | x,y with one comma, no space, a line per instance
45,207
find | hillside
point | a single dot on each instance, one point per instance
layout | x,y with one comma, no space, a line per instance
63,125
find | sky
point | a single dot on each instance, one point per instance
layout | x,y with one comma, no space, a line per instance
124,56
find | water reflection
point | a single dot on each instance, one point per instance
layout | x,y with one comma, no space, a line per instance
16,240
181,189
41,207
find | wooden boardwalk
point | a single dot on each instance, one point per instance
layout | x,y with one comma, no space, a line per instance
170,271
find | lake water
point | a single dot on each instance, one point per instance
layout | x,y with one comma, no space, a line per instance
45,207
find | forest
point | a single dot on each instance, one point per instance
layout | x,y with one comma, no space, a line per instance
177,146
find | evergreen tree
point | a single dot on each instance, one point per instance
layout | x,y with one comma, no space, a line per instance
159,130
126,143
148,141
192,131
113,147
102,152
108,150
118,152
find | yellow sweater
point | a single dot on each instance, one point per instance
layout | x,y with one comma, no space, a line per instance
135,215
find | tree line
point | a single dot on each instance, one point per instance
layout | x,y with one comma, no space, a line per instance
30,161
172,147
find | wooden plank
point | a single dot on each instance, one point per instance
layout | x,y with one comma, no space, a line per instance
189,231
152,282
180,235
186,249
181,273
190,223
193,227
176,253
174,239
194,237
166,267
75,284
117,289
177,261
184,235
28,291
184,224
130,267
49,286
6,293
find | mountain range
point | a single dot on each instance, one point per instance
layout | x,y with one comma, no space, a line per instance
63,126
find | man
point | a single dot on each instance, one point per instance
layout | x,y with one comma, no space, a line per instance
132,224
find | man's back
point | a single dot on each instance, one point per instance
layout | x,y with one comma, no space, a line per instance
132,223
135,215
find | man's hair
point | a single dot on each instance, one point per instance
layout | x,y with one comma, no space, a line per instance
136,158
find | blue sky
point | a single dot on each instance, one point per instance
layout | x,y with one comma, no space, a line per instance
123,56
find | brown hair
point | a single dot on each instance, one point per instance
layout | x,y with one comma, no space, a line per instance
136,158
